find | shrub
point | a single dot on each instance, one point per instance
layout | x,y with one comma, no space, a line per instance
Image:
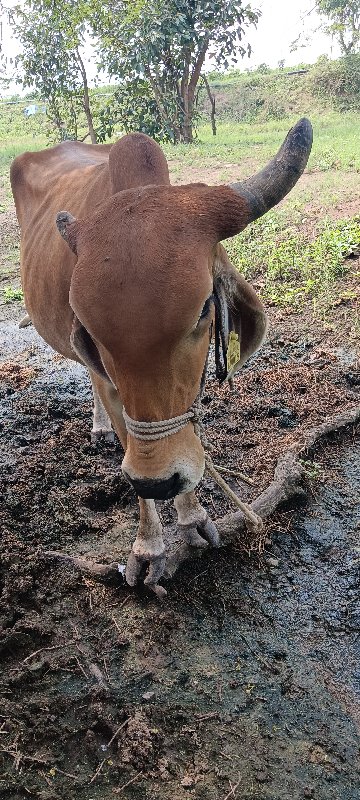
338,81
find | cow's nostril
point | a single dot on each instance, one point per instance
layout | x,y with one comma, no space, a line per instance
155,489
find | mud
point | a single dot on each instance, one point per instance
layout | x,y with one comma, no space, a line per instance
248,676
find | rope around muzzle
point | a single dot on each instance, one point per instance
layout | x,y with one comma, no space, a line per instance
152,431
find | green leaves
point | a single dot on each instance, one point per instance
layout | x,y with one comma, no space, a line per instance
51,35
155,49
132,109
165,43
343,22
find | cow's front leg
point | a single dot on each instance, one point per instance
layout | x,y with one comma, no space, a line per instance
194,523
148,548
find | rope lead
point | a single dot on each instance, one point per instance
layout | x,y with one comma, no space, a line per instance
253,522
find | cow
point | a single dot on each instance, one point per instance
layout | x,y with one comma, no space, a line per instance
132,288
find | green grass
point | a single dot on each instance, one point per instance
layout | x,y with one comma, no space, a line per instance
10,147
294,268
12,294
336,143
300,249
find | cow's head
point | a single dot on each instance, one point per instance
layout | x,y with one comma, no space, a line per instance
148,271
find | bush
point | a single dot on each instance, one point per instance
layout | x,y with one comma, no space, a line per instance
338,81
132,109
263,94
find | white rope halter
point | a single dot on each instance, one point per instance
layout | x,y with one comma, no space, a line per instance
151,431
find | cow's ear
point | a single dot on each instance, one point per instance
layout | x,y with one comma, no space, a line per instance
239,307
85,348
66,225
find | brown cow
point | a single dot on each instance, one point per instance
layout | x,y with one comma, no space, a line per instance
130,291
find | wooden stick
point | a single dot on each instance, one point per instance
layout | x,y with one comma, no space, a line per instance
232,790
121,788
84,565
46,649
240,475
253,521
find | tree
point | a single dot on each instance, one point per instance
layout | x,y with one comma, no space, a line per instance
343,22
4,60
165,42
52,36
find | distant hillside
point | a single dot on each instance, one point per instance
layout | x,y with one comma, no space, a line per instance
260,96
273,94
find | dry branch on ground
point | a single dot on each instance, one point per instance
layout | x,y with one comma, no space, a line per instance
286,483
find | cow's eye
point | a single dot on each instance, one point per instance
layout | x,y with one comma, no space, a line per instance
206,308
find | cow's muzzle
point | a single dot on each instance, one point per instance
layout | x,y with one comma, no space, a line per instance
150,489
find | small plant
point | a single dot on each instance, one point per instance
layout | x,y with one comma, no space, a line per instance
292,267
326,160
11,294
312,469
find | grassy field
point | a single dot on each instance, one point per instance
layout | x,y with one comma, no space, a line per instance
303,250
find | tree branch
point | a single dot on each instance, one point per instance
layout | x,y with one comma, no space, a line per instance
86,97
195,75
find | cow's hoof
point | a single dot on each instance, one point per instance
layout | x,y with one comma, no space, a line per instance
25,321
102,433
156,565
200,534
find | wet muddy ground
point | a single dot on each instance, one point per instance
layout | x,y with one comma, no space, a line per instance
246,682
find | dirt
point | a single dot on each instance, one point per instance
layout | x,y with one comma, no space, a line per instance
245,683
248,676
214,173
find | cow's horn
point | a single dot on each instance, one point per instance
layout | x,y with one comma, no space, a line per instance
265,189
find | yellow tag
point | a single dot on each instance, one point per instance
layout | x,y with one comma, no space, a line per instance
233,353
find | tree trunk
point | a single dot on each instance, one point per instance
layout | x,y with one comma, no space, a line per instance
188,92
86,100
187,124
212,102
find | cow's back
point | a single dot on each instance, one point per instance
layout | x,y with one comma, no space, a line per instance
75,177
